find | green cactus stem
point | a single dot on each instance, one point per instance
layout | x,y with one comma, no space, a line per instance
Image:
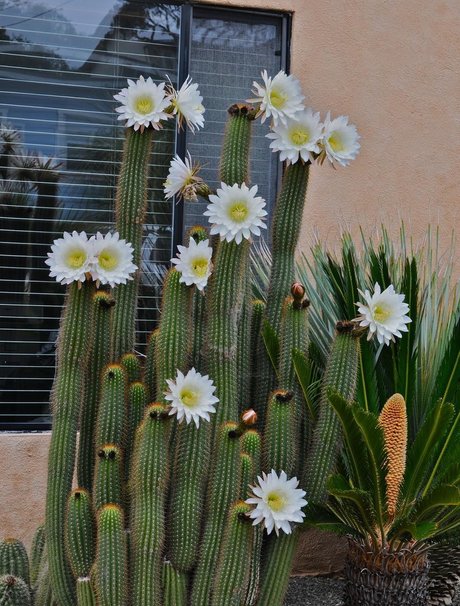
293,335
276,569
103,303
341,376
173,342
281,436
150,472
43,596
187,493
130,208
74,345
244,352
150,365
247,474
234,163
175,586
232,576
132,366
199,234
14,591
137,403
80,532
108,477
223,489
110,569
14,560
36,553
225,299
251,444
257,349
85,592
287,220
111,418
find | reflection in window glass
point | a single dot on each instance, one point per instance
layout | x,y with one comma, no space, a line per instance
61,63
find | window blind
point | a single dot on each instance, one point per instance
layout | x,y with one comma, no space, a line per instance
61,145
60,65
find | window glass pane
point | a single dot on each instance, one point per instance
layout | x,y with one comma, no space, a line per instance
228,52
60,64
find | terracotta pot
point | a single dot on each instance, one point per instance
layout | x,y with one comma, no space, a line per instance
381,578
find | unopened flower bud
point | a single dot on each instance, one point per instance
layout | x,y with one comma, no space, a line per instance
249,417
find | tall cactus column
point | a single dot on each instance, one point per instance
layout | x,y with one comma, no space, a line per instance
73,350
131,206
286,225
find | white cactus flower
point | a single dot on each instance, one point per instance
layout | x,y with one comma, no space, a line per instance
340,140
187,104
280,97
182,179
194,263
112,259
298,138
70,258
143,104
278,502
192,397
384,313
235,212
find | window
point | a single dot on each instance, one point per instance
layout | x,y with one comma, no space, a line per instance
60,147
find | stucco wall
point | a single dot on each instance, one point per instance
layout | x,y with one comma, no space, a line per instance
389,65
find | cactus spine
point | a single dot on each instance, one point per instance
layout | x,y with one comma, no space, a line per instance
36,554
74,344
175,586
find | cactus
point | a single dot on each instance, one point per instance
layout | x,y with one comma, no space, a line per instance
110,568
131,204
232,575
14,560
340,375
80,532
158,503
36,553
74,345
85,592
13,591
149,479
99,357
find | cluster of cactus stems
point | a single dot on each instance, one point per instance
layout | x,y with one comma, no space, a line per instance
158,517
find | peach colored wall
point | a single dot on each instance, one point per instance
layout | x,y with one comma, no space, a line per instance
391,67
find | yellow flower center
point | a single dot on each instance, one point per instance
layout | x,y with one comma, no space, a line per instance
278,98
144,105
76,258
300,136
107,259
238,211
381,313
200,266
189,397
276,501
335,141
